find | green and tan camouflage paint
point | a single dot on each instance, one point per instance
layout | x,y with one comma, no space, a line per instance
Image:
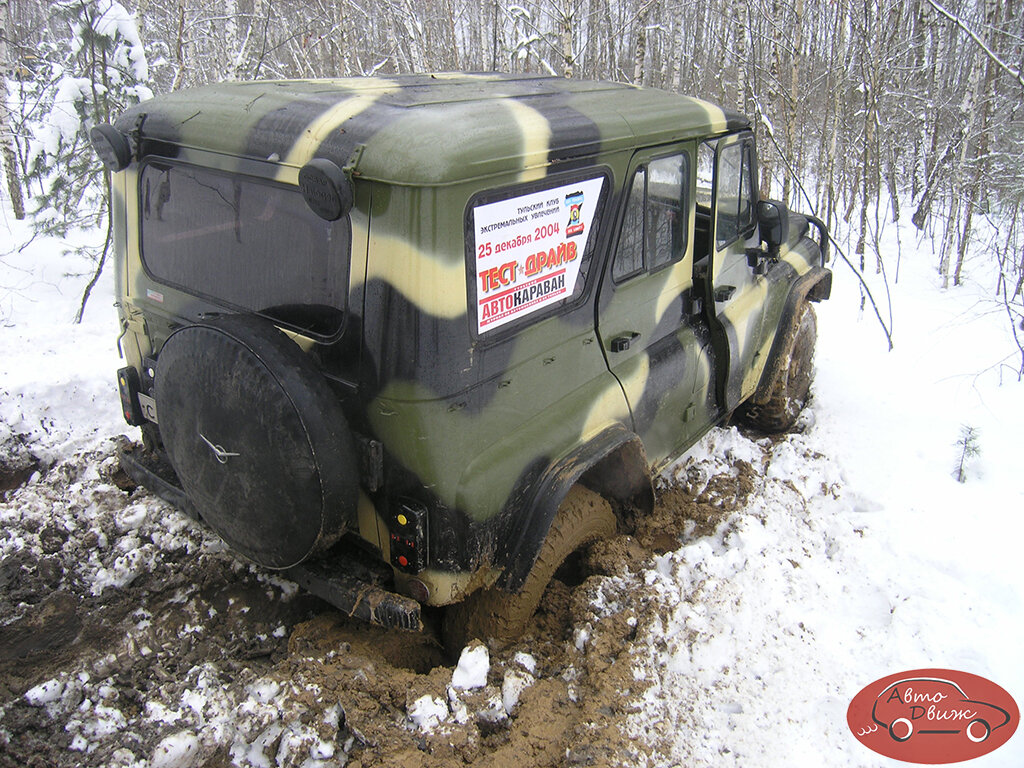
474,422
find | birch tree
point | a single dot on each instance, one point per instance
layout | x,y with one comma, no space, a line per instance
7,151
885,100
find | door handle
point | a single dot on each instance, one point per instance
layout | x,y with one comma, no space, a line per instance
724,292
621,343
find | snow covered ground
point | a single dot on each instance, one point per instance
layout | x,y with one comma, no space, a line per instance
883,563
54,375
855,553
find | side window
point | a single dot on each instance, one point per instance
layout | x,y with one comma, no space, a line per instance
705,174
629,257
245,243
746,210
666,228
654,227
530,247
735,209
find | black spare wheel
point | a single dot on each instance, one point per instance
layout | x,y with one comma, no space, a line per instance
257,438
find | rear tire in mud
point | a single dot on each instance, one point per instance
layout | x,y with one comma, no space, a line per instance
582,518
257,438
781,406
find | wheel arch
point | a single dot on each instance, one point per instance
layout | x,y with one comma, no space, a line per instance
814,285
613,464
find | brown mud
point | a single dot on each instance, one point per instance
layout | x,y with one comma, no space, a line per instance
129,636
17,464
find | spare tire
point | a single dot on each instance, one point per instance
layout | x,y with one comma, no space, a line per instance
257,438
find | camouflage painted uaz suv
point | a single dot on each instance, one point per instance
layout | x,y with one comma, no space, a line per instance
453,319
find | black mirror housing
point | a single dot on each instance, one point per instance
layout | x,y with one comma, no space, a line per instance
773,218
326,189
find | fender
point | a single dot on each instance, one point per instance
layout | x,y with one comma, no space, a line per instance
615,444
814,285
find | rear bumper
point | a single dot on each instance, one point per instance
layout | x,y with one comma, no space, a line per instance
343,576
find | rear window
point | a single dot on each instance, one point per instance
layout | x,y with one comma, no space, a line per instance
245,243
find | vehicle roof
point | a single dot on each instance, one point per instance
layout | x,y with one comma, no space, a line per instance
424,129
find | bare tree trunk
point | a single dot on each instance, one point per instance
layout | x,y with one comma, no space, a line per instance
417,43
968,111
494,37
794,99
838,71
10,159
891,172
952,220
919,49
179,49
640,51
606,40
931,187
228,68
258,24
869,105
682,49
931,159
981,146
566,24
670,63
739,12
772,93
102,259
398,57
453,39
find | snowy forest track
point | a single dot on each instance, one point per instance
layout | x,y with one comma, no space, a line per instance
130,636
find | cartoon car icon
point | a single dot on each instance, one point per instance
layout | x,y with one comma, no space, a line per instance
934,706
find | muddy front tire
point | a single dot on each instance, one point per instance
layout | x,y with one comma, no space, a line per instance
582,518
780,407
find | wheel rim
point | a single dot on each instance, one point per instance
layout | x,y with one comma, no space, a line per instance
900,724
973,736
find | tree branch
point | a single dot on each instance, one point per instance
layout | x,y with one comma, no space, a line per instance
1015,74
838,249
103,260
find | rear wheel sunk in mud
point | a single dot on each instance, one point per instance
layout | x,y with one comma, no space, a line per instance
779,410
583,517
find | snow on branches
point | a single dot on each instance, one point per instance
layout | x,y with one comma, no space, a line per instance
98,70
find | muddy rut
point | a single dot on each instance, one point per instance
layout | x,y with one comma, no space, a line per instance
129,636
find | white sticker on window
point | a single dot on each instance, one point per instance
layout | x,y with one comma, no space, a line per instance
528,250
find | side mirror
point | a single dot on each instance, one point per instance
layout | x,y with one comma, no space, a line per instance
773,219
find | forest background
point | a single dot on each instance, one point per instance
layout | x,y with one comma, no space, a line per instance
865,111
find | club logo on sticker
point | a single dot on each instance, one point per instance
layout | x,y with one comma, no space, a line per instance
933,716
574,202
